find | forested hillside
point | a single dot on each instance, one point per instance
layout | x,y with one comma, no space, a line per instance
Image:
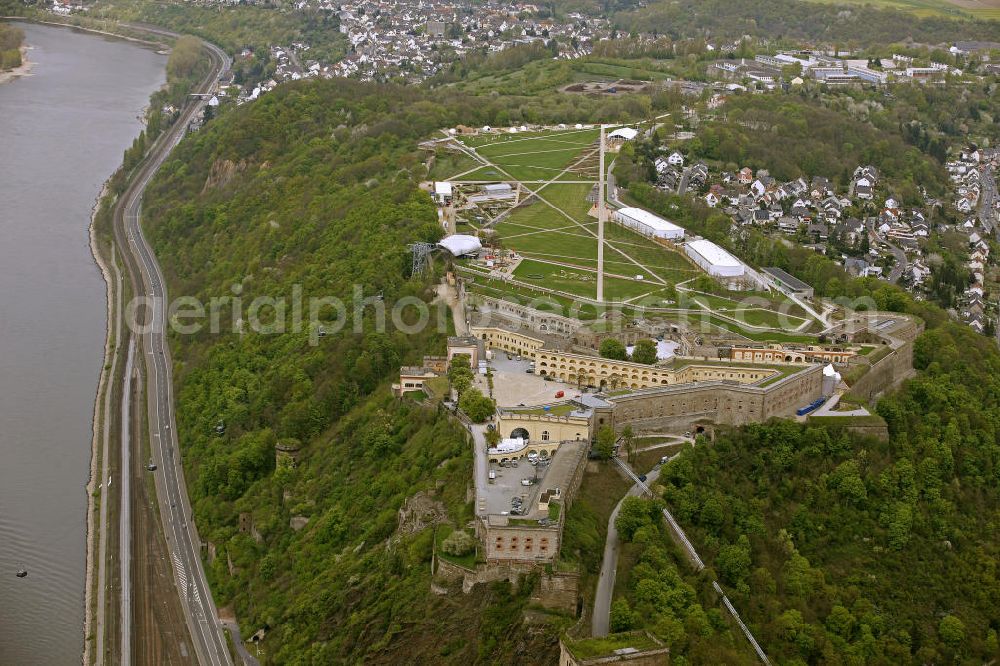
314,187
847,25
794,137
836,548
841,549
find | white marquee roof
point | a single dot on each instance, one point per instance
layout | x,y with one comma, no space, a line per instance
626,133
650,220
459,244
714,254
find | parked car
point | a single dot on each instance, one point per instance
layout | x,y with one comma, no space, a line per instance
526,482
560,394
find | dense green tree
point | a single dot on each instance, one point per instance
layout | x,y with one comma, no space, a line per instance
613,349
605,445
633,514
460,374
952,631
458,543
622,617
734,561
629,444
644,351
476,406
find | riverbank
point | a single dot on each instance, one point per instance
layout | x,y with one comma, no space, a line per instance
100,441
105,32
18,72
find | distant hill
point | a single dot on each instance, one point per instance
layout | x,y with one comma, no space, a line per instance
843,25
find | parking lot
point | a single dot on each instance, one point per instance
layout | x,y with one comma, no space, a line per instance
499,492
513,386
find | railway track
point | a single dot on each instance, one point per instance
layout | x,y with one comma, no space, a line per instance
170,617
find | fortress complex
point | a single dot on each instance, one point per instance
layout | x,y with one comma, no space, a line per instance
676,394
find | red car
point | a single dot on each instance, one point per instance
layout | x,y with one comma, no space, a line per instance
560,394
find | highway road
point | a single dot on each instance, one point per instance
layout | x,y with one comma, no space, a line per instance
183,543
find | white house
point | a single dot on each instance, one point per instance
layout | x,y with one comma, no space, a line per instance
442,192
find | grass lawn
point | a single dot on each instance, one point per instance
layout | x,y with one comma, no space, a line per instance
545,302
752,300
573,244
505,140
486,173
570,198
554,410
573,281
587,522
438,387
664,262
589,648
761,317
846,421
572,247
534,155
564,305
623,290
448,165
468,561
776,336
582,282
645,461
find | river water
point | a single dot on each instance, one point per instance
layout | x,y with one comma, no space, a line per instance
63,130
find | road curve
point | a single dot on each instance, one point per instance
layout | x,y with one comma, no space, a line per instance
182,538
600,622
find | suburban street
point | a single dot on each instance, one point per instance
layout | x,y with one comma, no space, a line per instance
182,541
900,265
987,199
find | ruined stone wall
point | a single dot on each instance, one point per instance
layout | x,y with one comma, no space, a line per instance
558,590
886,374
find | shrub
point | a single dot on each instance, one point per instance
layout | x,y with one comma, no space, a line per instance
459,543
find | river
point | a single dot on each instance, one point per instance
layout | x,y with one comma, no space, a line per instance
63,130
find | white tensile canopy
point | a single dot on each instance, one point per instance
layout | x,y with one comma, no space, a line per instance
461,244
626,133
